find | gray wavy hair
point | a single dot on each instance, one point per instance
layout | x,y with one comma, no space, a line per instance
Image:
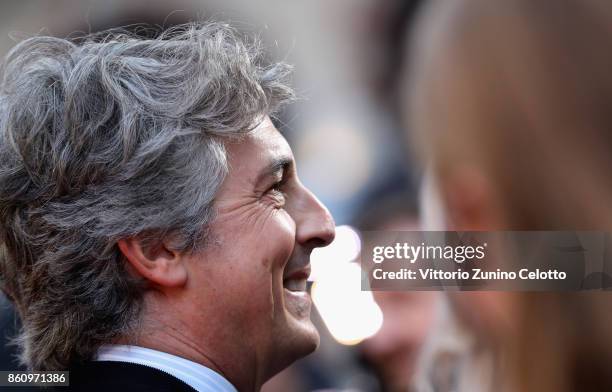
106,139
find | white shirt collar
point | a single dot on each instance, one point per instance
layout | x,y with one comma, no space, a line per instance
199,377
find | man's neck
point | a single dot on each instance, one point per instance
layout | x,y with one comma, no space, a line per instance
176,341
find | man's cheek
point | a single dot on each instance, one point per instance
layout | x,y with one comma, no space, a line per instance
255,299
286,222
285,232
274,244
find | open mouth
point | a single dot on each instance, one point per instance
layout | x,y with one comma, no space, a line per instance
297,281
295,284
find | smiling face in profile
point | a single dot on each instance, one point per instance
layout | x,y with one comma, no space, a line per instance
253,270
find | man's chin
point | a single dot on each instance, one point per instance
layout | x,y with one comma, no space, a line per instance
312,339
298,339
304,337
304,334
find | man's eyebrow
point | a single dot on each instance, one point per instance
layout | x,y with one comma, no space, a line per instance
278,164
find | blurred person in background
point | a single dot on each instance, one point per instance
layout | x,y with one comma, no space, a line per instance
393,351
157,234
408,316
511,102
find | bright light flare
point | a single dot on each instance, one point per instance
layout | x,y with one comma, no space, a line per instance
350,315
344,249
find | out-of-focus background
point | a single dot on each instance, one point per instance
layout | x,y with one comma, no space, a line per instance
348,137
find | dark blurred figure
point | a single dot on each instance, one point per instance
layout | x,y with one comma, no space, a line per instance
408,315
394,350
8,329
9,325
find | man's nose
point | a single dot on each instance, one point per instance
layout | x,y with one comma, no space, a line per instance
315,226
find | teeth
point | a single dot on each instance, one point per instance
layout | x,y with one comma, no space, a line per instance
295,284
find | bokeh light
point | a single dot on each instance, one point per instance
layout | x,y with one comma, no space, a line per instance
349,314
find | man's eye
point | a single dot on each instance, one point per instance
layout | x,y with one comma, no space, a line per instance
277,194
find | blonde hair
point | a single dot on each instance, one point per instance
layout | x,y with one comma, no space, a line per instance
522,90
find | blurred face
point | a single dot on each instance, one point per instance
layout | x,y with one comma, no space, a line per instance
465,197
253,271
408,317
490,313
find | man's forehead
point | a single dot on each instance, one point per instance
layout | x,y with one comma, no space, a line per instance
259,149
266,137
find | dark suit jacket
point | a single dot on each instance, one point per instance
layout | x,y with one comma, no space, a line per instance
109,376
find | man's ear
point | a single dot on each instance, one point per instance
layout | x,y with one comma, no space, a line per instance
158,264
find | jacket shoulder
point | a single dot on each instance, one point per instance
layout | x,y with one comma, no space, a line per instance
120,376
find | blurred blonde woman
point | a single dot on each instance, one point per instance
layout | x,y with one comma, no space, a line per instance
511,102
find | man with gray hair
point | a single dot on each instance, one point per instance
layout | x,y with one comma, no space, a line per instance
157,237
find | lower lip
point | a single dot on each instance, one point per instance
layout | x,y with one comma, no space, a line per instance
298,302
